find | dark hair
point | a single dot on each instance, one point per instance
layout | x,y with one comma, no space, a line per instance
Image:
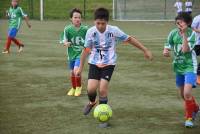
187,18
73,11
101,13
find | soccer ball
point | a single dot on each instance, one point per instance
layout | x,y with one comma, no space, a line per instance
103,112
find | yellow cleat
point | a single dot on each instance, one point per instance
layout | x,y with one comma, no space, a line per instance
71,92
78,91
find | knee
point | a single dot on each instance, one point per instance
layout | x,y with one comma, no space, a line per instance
187,96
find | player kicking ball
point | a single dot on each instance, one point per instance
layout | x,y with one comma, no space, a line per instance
100,46
73,38
15,15
182,42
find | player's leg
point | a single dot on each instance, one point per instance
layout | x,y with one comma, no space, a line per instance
191,107
93,84
72,79
106,75
77,79
8,42
17,42
197,51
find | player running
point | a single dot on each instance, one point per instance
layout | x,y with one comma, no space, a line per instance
100,46
73,38
179,6
196,28
181,41
15,15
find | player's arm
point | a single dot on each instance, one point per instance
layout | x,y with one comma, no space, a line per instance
168,45
25,17
196,30
27,21
185,46
147,53
66,43
84,55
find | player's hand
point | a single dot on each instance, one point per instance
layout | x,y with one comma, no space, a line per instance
148,55
166,52
29,25
67,44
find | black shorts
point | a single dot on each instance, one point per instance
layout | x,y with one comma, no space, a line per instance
98,73
197,50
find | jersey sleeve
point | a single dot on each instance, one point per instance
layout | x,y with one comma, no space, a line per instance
120,34
169,43
192,40
22,12
195,23
88,39
61,38
65,34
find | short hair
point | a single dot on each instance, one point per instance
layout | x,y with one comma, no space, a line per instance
101,13
186,17
75,10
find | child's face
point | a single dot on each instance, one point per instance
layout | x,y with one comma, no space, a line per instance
76,19
101,24
14,3
181,24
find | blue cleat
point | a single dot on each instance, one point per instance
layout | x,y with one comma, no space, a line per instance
189,123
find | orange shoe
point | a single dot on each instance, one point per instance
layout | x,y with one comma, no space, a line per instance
198,79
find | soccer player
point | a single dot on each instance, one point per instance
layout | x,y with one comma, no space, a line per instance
15,15
100,45
196,28
188,7
73,38
181,41
179,6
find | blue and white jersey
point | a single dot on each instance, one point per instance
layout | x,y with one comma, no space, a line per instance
103,45
196,25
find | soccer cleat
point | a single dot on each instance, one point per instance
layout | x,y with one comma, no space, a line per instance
20,48
5,51
189,123
78,91
71,92
88,108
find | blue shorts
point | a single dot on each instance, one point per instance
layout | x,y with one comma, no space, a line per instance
188,78
74,63
12,32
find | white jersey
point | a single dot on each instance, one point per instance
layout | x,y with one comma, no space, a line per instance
103,45
179,6
196,25
188,6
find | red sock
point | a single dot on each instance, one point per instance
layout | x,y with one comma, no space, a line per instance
73,81
189,108
8,43
16,41
78,81
196,106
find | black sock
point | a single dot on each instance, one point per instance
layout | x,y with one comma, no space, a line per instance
103,100
92,96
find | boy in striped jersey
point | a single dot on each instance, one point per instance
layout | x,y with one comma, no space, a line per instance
196,27
15,15
100,46
181,41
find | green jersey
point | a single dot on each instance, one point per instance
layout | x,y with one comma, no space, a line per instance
183,62
77,39
15,17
